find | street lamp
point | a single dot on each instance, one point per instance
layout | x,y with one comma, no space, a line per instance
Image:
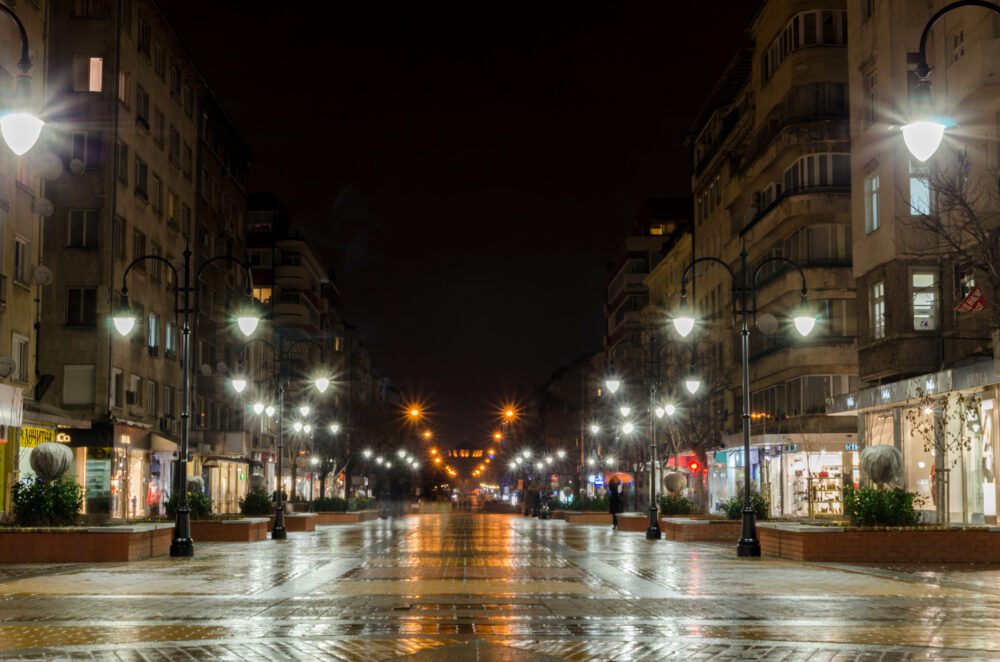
924,133
124,322
625,410
628,428
20,128
744,291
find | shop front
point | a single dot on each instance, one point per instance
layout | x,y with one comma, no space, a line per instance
227,481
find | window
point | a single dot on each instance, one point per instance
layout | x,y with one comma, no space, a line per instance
186,161
924,288
121,162
169,272
145,38
157,128
871,110
185,220
957,41
170,340
175,79
159,61
818,171
86,147
156,194
141,178
141,106
876,305
869,8
139,248
88,73
19,351
88,8
262,294
920,190
804,30
83,228
127,16
155,266
81,306
187,100
175,145
135,390
22,260
118,235
117,394
125,87
871,203
153,330
173,208
168,401
965,282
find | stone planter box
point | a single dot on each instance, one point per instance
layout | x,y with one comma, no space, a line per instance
104,544
559,514
589,518
355,517
687,529
297,506
632,521
802,542
296,522
250,529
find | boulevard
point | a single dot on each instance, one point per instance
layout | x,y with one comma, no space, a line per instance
466,586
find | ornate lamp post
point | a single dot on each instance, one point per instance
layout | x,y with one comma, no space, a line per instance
744,290
124,322
19,127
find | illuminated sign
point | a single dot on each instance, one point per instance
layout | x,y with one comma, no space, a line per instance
63,438
852,447
31,437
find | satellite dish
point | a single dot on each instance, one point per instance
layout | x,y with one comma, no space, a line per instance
48,166
7,365
44,207
206,370
76,167
767,323
42,275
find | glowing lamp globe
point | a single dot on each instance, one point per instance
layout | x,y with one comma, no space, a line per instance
239,384
613,385
670,409
923,138
247,324
561,454
684,325
304,410
269,410
297,426
322,383
692,384
660,411
628,428
595,428
804,324
20,131
258,408
334,428
625,410
123,324
307,428
367,453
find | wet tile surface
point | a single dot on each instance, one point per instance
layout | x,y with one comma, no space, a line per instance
491,587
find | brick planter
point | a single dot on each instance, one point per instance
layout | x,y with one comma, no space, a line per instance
250,529
103,544
589,518
686,529
296,522
355,517
632,522
802,542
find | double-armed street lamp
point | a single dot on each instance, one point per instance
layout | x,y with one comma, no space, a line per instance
124,322
744,304
282,353
923,134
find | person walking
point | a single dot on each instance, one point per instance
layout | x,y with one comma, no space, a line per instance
615,502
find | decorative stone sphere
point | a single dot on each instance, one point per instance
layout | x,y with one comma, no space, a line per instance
50,461
675,482
196,484
883,465
257,483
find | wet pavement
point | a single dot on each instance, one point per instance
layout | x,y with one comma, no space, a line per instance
493,587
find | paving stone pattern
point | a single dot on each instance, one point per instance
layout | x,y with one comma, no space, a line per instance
493,587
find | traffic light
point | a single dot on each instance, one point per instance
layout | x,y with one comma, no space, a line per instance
694,466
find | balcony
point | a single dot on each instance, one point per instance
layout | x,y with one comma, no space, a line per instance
297,314
294,277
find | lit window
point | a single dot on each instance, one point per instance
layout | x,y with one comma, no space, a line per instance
871,203
925,300
877,304
88,74
920,191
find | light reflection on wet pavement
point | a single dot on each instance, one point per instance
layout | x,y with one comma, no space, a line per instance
493,587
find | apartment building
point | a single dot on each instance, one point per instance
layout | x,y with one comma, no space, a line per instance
132,117
918,350
24,420
771,176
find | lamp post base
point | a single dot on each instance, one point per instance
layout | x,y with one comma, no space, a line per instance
749,545
653,530
182,547
278,532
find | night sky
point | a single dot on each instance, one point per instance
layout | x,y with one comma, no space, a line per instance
468,171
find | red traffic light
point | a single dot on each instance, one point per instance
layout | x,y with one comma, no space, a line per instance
694,466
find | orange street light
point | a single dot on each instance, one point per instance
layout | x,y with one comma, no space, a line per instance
428,434
509,414
497,436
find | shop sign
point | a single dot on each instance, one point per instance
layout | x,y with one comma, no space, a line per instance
852,447
30,437
598,480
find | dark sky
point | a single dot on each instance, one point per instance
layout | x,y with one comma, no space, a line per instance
467,169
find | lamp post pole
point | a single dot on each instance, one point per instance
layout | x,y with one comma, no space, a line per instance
744,288
653,529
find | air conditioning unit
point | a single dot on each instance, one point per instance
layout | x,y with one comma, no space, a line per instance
131,397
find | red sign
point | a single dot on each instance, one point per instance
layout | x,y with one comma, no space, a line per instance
973,302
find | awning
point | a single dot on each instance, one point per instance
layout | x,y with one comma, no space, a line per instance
160,444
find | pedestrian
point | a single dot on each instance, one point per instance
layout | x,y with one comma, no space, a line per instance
615,501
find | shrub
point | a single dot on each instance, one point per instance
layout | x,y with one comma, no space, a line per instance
55,503
734,507
199,503
256,502
871,507
599,504
672,504
358,503
329,505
